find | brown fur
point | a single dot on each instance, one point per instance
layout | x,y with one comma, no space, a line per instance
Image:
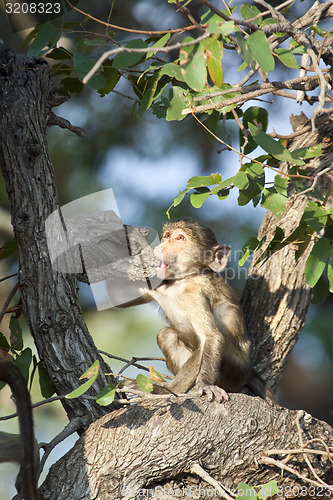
206,346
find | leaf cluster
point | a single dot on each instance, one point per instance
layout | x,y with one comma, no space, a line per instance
175,77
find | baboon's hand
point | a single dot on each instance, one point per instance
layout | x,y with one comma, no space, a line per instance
211,391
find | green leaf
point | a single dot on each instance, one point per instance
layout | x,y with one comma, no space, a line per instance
23,362
273,147
248,248
214,54
268,490
179,198
317,260
46,35
249,11
193,65
330,270
256,176
297,47
173,70
177,201
91,374
197,199
4,345
317,29
311,152
244,491
315,216
59,53
44,383
8,249
227,28
320,291
125,60
83,64
111,76
259,48
223,194
259,117
145,385
177,104
16,339
274,201
281,184
160,43
106,396
70,85
256,115
204,180
148,96
241,180
245,52
224,184
330,209
287,58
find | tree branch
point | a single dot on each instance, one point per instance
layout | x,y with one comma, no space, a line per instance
252,91
118,50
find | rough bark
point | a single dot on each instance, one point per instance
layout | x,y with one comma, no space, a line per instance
129,452
276,297
49,298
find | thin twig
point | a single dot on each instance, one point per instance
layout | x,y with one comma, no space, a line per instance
314,182
7,277
199,471
118,50
299,415
129,30
74,425
133,362
189,15
282,466
296,451
275,135
264,165
8,300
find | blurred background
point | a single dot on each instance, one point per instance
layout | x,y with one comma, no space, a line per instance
147,162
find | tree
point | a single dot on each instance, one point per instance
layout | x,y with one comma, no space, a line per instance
129,449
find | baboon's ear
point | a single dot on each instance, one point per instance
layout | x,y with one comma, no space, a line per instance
220,258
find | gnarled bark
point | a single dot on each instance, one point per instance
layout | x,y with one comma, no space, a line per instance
49,298
154,446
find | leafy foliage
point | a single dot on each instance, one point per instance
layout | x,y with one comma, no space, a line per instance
176,77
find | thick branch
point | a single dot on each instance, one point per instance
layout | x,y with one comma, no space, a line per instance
48,298
157,446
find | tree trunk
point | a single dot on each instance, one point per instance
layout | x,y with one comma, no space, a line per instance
49,299
276,297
